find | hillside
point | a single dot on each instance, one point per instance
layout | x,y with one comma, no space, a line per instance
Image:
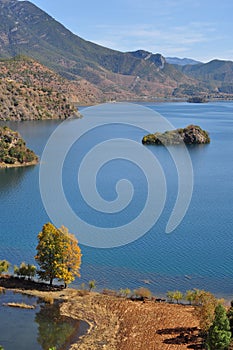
13,150
216,75
27,30
99,74
30,91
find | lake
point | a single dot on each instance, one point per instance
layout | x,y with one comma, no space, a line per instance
40,328
197,254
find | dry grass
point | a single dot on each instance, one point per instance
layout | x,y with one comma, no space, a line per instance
121,324
20,305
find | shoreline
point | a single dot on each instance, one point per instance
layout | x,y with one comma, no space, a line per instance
18,165
118,323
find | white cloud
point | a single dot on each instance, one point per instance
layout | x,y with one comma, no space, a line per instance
168,41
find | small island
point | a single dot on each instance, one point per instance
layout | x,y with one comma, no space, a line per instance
197,99
191,134
13,150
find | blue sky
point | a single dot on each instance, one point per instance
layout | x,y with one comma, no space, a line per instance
197,29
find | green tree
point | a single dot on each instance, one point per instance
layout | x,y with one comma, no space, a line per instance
58,254
91,285
219,335
170,295
230,316
31,271
25,270
177,295
190,296
4,266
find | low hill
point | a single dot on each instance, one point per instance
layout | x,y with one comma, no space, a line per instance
28,90
13,150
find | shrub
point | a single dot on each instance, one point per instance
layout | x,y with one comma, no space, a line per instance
143,293
91,285
4,266
125,292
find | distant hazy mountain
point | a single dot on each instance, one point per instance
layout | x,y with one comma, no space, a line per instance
102,73
181,61
216,74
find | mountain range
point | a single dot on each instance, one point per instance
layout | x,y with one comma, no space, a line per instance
181,61
98,74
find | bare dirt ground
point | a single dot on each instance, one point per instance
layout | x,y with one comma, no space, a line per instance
120,324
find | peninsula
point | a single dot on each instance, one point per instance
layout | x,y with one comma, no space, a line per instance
13,150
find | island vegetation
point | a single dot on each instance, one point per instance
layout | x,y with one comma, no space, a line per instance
191,134
13,150
197,99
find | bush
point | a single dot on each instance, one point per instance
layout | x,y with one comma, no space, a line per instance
125,292
143,293
4,266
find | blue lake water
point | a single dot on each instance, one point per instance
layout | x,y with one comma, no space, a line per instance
198,253
40,328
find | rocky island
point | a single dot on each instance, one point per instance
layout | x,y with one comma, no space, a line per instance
13,150
197,99
191,134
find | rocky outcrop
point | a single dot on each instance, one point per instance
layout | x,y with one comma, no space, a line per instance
192,134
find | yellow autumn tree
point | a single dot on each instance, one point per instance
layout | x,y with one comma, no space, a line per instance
58,254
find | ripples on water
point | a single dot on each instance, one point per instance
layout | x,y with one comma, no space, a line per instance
197,254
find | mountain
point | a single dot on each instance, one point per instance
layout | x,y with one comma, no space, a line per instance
216,75
95,73
26,29
181,61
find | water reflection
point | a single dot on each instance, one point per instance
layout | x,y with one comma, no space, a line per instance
55,330
38,329
12,177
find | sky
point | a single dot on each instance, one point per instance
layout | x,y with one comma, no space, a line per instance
202,30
